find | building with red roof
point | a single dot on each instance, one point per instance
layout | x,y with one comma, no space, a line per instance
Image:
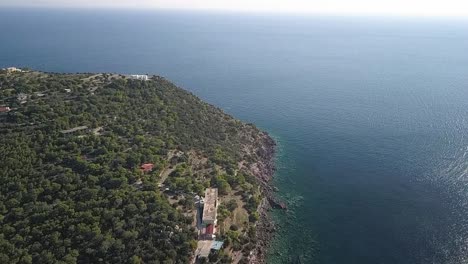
209,230
147,167
4,109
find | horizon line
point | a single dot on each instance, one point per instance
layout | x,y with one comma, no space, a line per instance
244,11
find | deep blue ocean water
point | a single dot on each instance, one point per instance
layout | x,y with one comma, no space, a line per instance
371,115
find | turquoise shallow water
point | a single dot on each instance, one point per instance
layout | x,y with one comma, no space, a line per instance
370,114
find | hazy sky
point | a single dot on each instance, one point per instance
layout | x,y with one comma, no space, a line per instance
392,7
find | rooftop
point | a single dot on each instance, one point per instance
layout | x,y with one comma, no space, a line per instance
12,69
139,77
147,167
204,248
4,109
209,209
216,245
210,229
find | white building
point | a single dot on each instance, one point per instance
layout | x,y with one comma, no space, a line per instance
210,206
139,77
12,69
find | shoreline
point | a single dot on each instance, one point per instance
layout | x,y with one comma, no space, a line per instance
264,170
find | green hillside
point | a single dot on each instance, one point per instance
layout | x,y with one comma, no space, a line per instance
71,186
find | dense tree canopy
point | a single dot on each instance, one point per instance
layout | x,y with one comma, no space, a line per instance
80,196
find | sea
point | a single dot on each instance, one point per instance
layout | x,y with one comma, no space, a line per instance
370,113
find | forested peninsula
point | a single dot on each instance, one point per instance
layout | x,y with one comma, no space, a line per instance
106,168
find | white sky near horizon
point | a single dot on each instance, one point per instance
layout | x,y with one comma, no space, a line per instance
458,8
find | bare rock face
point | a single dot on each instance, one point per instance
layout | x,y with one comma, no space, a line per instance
264,168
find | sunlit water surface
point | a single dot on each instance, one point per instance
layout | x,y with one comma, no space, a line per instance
370,114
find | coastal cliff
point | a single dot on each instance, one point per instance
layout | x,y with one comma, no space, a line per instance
264,170
106,167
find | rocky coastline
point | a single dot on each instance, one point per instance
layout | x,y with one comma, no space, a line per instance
264,170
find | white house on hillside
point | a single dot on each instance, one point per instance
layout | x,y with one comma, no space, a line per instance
139,77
